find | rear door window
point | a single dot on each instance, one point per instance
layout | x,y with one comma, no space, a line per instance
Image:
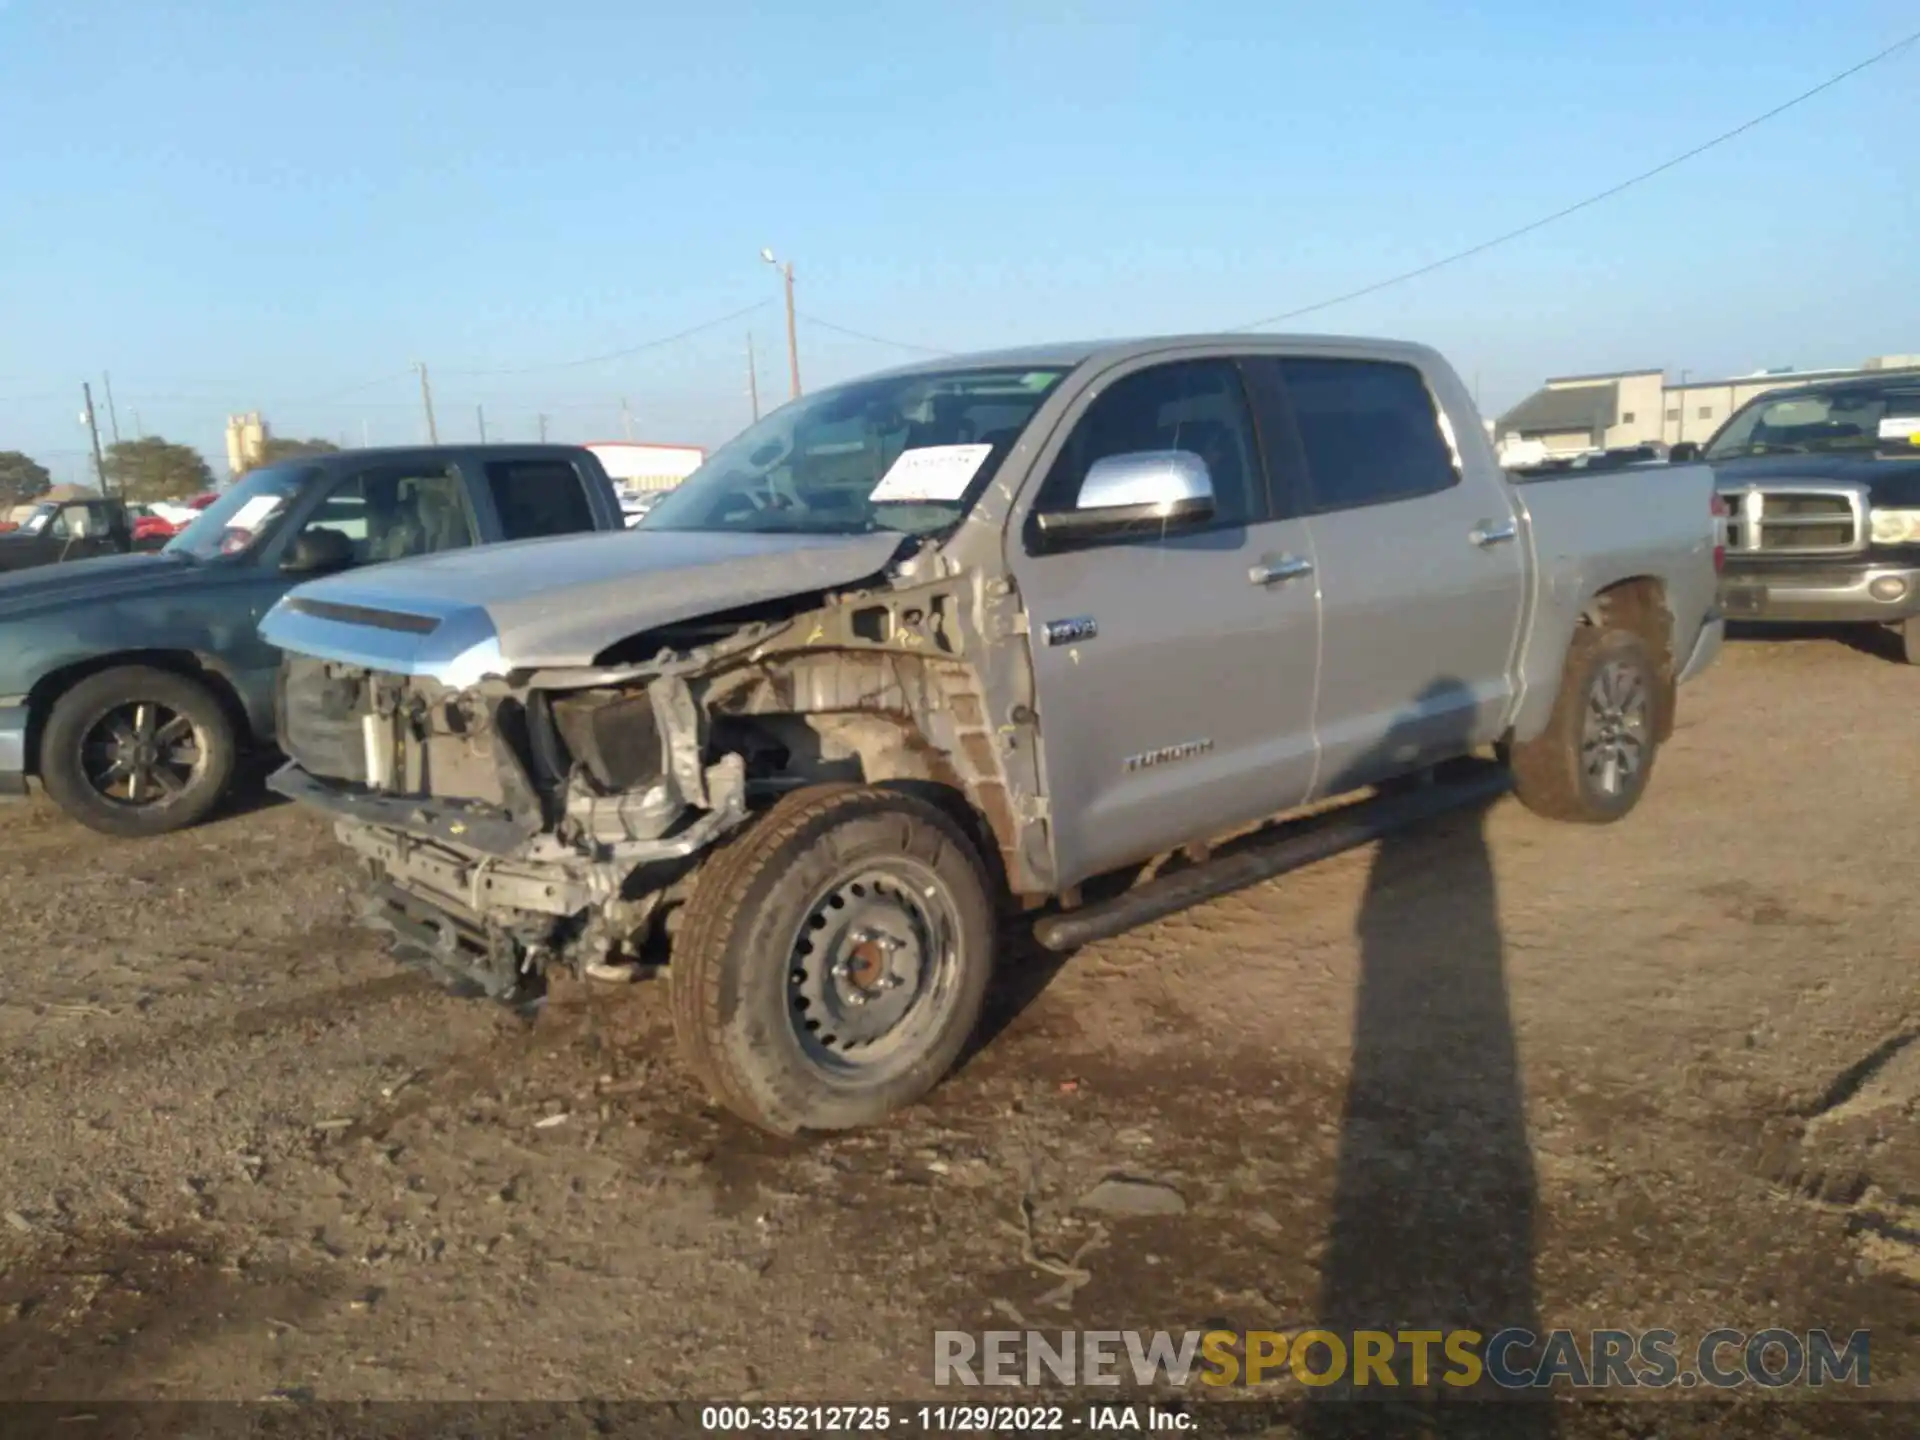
1369,431
538,497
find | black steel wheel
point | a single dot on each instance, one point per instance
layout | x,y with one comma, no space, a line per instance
833,959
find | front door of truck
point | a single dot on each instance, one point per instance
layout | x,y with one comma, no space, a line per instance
1174,673
1422,571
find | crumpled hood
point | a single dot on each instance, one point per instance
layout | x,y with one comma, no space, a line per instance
539,603
107,577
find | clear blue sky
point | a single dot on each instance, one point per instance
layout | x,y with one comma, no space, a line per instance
242,205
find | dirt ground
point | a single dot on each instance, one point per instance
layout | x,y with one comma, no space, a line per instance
1657,1074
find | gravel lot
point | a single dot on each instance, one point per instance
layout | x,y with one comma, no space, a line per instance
1655,1074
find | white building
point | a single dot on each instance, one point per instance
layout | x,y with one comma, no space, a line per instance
635,467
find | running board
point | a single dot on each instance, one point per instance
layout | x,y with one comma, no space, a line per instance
1314,839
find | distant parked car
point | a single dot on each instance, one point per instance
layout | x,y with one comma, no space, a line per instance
131,684
65,530
152,527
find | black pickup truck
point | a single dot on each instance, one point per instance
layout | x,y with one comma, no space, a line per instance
1822,488
69,530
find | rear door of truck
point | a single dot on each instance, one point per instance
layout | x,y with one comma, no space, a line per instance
1421,561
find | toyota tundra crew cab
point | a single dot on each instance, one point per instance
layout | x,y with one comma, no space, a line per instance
921,650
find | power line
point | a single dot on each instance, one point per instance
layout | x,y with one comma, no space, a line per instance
621,354
406,374
875,339
1591,200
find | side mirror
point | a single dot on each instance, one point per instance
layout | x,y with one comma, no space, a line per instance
1150,490
1683,453
316,552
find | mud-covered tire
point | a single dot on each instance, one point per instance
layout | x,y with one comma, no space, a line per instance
756,1001
81,734
1562,773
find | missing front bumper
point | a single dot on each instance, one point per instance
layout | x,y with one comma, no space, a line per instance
451,823
475,888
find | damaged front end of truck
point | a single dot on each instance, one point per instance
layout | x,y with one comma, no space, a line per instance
527,797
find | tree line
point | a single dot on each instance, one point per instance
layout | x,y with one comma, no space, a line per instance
142,471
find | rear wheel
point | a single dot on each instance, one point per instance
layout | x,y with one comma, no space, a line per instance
833,960
1592,763
137,751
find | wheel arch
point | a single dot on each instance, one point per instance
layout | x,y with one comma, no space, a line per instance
188,664
890,721
1639,603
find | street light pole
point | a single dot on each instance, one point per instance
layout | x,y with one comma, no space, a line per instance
793,338
753,380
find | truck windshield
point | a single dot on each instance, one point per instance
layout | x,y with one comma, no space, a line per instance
244,516
1885,422
905,452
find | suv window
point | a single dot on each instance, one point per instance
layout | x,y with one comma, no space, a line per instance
1194,405
538,497
395,513
1369,431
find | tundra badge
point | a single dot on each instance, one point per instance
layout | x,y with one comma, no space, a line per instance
1185,750
1071,632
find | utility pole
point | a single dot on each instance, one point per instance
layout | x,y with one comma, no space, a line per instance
113,420
543,429
426,399
626,418
753,379
793,337
93,429
480,414
366,435
1683,407
137,433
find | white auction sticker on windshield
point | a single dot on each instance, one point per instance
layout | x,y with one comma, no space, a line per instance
250,515
933,472
1901,427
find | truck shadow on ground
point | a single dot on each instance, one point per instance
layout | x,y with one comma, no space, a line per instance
1433,1216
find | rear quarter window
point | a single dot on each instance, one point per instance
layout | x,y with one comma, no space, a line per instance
538,497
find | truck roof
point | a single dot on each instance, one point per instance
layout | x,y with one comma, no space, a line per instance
1870,381
1077,352
531,450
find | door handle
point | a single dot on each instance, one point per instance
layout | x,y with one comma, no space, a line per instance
1486,534
1286,567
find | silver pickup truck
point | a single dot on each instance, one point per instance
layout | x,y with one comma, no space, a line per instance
921,650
